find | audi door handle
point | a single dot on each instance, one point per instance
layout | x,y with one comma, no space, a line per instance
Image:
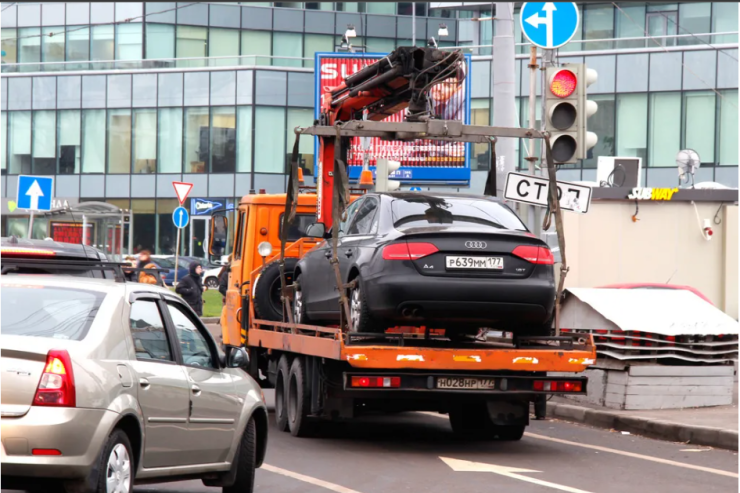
144,383
327,255
348,253
195,389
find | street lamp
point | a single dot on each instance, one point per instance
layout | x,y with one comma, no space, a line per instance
443,32
350,32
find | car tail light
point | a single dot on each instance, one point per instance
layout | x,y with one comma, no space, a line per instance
534,254
31,252
376,382
57,385
45,451
557,386
408,251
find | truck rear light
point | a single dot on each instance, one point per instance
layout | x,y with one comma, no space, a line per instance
376,382
408,251
45,451
57,385
556,386
534,254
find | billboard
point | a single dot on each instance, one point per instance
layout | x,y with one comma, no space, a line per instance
422,161
67,232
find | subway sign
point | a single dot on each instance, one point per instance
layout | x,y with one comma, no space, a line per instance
421,160
652,193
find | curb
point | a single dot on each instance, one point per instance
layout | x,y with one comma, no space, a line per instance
652,428
210,320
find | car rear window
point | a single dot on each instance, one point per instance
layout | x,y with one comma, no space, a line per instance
421,211
42,311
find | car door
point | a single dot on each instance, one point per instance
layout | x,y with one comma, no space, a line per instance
358,234
214,406
163,389
324,281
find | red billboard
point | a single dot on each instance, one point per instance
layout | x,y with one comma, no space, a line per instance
70,232
421,160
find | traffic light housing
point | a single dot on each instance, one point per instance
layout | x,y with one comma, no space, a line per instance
383,169
567,111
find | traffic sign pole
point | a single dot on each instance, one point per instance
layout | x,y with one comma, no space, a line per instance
180,218
177,254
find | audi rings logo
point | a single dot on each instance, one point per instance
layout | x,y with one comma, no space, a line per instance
478,245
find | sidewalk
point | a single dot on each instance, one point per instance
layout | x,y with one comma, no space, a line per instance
711,426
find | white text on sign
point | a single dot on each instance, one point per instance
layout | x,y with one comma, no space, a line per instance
533,190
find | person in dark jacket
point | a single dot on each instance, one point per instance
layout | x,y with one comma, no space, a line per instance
191,288
223,277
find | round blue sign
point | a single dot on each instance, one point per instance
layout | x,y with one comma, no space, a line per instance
180,217
549,25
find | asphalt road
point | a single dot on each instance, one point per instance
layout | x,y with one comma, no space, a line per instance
418,452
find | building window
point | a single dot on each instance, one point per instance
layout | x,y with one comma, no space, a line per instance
29,44
78,46
4,139
223,42
102,47
196,140
598,23
480,114
388,8
315,43
145,141
300,118
192,42
160,41
724,19
665,128
244,139
350,6
170,140
695,18
9,45
631,27
166,230
256,47
728,128
289,45
378,45
44,142
145,224
20,142
129,44
269,155
632,125
698,124
119,141
602,124
93,141
68,131
52,44
223,140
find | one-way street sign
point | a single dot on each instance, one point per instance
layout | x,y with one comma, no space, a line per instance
533,190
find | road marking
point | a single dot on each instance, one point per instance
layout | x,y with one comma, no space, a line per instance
458,465
308,479
668,462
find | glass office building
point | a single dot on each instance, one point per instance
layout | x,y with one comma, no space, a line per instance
118,100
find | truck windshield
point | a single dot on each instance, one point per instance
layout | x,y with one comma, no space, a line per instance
420,210
59,313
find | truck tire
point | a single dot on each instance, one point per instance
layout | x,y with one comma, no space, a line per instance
509,433
299,400
267,302
246,461
281,393
471,421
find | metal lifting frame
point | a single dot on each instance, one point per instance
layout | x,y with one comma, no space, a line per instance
447,130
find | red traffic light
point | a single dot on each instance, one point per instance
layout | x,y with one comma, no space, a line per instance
563,83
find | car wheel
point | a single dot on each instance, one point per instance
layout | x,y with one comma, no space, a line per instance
359,313
211,283
246,461
268,304
116,468
281,393
299,403
299,306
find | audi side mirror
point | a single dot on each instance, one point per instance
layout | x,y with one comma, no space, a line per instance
316,230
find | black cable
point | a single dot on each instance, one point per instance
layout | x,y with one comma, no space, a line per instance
697,37
610,179
718,220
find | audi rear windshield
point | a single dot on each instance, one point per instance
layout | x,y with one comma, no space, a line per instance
422,211
42,311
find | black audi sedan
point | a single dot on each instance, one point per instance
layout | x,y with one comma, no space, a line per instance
454,261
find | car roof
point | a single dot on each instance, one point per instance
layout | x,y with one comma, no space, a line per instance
89,283
437,195
61,249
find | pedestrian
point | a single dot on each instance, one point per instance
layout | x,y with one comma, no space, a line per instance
223,277
191,288
145,262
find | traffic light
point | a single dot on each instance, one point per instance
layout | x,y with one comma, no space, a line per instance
383,169
567,111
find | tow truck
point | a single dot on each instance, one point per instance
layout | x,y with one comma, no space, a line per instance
329,372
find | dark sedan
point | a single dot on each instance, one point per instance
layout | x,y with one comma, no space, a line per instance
453,261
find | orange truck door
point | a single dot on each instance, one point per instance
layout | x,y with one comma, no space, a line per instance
232,330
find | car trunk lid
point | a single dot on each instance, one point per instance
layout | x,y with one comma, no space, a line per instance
21,373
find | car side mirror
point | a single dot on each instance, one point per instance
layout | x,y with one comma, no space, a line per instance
219,230
238,358
316,230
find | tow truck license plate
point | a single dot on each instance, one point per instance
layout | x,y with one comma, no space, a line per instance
465,383
490,263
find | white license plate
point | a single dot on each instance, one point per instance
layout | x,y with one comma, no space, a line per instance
490,263
465,383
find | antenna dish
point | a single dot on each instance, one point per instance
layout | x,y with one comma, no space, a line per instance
688,162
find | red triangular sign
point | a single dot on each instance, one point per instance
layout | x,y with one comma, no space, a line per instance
182,190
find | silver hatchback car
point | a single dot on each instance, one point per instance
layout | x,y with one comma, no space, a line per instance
106,384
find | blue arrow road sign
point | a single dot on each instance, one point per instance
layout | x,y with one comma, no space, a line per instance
180,217
35,192
549,24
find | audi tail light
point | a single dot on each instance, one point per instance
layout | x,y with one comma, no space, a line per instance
408,251
57,385
534,254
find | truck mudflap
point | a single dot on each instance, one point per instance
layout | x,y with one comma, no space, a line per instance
462,383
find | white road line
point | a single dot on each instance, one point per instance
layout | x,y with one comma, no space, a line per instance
308,479
622,452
